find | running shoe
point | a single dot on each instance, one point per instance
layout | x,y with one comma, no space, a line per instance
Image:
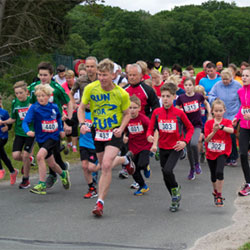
191,175
245,190
157,155
67,165
32,161
175,194
130,166
13,177
91,193
134,185
147,171
141,190
219,201
197,168
50,181
74,149
39,189
95,177
183,154
24,184
98,210
66,180
233,163
2,174
123,174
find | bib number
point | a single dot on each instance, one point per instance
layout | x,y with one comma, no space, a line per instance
245,110
22,113
190,107
103,135
167,126
135,128
88,123
49,126
216,146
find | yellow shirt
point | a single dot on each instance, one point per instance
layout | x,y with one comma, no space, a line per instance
238,78
106,106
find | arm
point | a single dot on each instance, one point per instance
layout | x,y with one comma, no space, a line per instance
81,118
126,117
155,141
207,106
28,119
212,94
8,121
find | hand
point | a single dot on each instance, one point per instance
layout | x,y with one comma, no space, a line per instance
67,129
234,122
84,129
64,117
179,145
62,134
31,134
216,127
117,132
4,129
153,149
150,139
246,116
209,117
1,123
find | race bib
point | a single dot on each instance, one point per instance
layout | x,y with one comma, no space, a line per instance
167,126
88,123
49,126
216,146
203,111
191,107
245,110
22,113
103,135
135,128
51,98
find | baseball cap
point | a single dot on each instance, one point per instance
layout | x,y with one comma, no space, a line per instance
157,60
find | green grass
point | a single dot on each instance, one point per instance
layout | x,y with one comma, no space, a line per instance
245,246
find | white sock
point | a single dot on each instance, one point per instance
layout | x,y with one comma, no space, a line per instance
126,160
100,201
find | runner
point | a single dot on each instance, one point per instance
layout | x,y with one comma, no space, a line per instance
218,147
109,105
169,121
4,115
190,102
48,130
23,144
244,117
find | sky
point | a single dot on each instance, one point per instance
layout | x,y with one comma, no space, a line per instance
154,6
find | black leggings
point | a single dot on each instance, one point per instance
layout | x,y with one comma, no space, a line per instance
244,146
141,161
4,157
168,160
217,167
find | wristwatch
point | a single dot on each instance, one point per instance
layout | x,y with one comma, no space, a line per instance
80,125
222,127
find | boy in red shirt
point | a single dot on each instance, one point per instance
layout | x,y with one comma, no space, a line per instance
169,121
138,144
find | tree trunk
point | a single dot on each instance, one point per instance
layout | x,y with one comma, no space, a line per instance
2,8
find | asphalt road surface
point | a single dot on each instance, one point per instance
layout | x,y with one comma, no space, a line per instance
63,220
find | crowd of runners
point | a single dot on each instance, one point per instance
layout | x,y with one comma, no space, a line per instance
122,119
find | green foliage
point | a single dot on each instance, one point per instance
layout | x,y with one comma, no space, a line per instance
245,246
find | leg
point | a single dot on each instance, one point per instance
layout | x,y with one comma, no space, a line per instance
41,155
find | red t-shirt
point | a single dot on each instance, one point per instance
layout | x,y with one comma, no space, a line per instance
158,89
199,76
221,143
137,129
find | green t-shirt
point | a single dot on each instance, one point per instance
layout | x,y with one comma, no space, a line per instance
58,96
18,112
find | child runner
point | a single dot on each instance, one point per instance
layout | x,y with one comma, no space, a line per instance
48,129
138,144
88,156
169,121
4,115
190,102
244,117
23,144
200,89
218,147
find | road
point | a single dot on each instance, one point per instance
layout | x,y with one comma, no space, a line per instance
63,220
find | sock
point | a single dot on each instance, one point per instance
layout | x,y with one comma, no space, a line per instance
43,183
63,174
91,185
218,195
126,160
215,191
25,178
99,200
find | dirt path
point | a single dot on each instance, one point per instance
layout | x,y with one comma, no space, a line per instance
231,237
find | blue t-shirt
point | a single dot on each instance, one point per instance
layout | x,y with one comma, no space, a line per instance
47,121
4,115
208,84
86,140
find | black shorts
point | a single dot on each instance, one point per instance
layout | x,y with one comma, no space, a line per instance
88,154
74,132
100,145
23,143
51,146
